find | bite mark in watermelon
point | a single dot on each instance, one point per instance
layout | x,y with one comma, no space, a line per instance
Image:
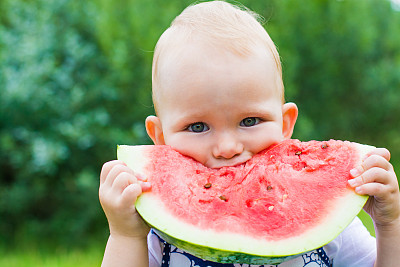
288,199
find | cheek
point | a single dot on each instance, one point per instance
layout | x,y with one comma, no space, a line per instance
266,137
188,146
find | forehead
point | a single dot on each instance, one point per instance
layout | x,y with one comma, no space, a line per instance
200,69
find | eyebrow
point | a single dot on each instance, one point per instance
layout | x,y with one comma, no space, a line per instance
193,116
259,110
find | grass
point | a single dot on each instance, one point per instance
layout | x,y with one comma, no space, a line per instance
47,257
30,254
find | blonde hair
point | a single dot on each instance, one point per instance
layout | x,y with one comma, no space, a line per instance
233,28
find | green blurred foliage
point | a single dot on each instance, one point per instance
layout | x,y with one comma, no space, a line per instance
64,106
75,81
342,68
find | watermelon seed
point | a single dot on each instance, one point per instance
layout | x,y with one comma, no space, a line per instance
223,198
298,153
324,146
207,185
270,208
269,188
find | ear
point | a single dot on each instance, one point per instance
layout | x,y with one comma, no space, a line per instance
289,116
154,130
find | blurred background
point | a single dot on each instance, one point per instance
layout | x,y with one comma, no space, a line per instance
75,81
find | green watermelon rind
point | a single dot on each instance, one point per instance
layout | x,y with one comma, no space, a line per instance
221,256
226,247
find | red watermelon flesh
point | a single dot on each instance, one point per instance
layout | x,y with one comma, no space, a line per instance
279,194
266,189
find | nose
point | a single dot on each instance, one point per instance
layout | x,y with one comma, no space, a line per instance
227,146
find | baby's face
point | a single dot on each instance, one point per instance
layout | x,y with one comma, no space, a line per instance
221,109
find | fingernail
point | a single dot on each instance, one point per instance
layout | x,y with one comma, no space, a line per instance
354,172
352,182
141,177
146,186
358,190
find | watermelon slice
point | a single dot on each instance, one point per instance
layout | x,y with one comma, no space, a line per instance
291,198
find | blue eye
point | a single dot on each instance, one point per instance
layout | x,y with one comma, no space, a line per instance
198,127
250,121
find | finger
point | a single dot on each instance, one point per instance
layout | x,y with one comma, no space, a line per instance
373,175
376,161
123,180
376,175
383,152
371,162
115,171
372,189
130,194
105,170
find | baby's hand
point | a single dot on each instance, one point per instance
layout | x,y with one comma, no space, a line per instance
119,189
375,177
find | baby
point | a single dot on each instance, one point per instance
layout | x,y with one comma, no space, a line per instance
218,95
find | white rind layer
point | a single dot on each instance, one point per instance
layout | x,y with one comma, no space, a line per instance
219,246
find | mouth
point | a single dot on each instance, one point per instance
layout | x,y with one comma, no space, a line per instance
219,163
